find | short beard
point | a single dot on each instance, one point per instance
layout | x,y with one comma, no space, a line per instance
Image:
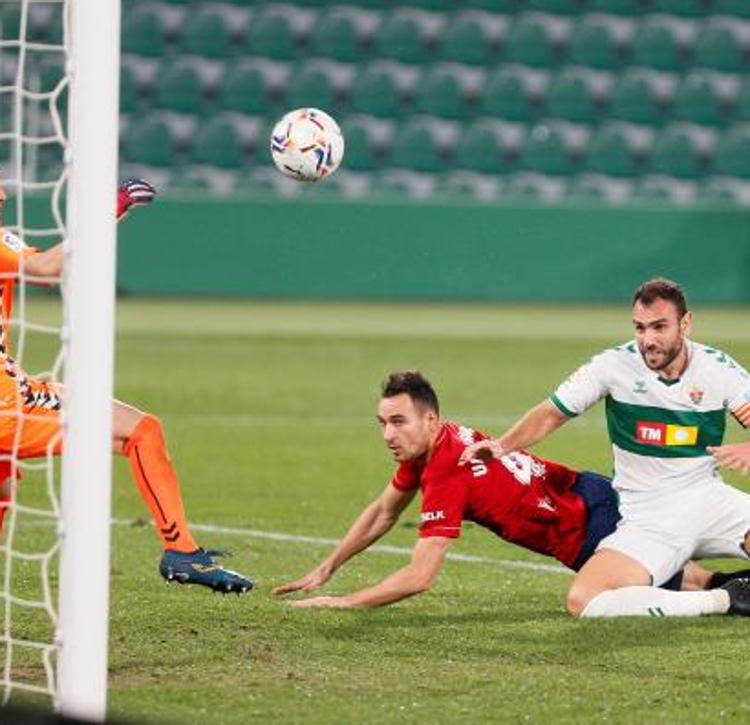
671,357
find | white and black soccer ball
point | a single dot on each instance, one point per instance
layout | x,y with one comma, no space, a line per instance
307,145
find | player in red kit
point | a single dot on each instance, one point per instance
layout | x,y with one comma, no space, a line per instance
540,505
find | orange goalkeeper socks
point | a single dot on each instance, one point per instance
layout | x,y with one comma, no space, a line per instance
157,482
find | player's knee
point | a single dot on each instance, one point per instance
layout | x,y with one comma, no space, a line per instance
577,600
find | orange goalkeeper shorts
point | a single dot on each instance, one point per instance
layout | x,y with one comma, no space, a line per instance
30,420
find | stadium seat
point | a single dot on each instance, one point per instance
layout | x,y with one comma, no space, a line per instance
341,33
423,144
686,8
718,46
217,143
725,190
381,87
536,40
150,141
367,141
618,149
469,185
472,37
183,86
311,85
553,148
277,31
732,155
447,90
495,6
663,43
128,89
577,94
659,188
618,7
682,151
704,97
489,146
599,188
513,92
401,183
45,23
600,41
406,35
531,186
206,33
143,32
557,7
253,86
741,8
641,96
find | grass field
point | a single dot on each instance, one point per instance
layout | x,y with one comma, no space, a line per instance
269,412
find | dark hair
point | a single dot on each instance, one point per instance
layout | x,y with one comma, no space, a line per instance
413,384
662,289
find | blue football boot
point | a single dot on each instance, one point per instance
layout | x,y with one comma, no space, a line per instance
198,567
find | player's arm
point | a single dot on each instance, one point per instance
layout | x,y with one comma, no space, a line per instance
377,519
736,455
533,427
48,264
415,578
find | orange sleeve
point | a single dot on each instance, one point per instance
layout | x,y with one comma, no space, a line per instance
12,250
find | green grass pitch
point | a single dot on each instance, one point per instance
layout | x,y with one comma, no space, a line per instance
269,411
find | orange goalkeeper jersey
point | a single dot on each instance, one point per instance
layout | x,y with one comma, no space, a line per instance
12,251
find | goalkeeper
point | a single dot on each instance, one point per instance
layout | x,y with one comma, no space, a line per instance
30,422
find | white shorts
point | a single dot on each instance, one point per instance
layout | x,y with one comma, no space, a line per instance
710,521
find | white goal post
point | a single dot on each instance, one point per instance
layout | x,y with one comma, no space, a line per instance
89,298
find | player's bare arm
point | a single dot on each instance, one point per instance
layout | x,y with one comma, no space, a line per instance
373,523
533,427
417,577
732,455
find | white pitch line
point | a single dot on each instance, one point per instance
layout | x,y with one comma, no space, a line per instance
378,548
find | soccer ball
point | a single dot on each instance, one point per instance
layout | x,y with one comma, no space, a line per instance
307,145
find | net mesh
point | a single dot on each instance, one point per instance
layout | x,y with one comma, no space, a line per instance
33,145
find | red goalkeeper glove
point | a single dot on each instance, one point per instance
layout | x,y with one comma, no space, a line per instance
133,192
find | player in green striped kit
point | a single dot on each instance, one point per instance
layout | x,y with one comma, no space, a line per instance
666,400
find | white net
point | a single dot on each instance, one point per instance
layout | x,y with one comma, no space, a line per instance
33,94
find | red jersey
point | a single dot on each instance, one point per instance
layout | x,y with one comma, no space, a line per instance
521,498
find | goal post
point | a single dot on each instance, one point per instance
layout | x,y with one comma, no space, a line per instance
88,336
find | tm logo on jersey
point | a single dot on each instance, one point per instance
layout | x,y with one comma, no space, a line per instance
664,434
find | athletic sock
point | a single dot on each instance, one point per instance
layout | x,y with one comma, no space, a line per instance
157,482
645,601
6,490
719,578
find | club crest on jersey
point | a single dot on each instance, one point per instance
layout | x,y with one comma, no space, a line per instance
696,394
664,434
13,242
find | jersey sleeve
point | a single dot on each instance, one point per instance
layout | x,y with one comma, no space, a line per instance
407,477
585,387
443,506
12,250
737,395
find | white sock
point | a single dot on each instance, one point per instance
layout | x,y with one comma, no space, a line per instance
651,601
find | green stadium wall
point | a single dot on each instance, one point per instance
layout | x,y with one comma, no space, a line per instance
449,251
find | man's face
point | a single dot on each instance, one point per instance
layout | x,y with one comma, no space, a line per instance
407,429
659,332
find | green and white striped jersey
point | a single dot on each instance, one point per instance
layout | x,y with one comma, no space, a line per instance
659,429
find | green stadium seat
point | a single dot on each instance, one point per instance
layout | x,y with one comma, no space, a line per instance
548,150
206,33
143,32
719,47
618,7
472,37
217,143
686,8
367,141
469,185
311,85
531,42
732,155
380,88
513,92
641,96
128,90
340,33
405,35
577,94
150,141
488,146
421,144
447,90
401,183
657,44
494,6
557,7
272,35
660,189
742,102
10,21
740,8
45,23
180,88
530,186
699,99
598,188
253,86
618,149
599,41
681,151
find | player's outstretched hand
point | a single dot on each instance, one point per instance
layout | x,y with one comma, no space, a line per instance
733,455
485,450
316,578
321,603
133,192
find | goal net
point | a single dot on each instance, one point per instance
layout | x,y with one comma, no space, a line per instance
58,130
